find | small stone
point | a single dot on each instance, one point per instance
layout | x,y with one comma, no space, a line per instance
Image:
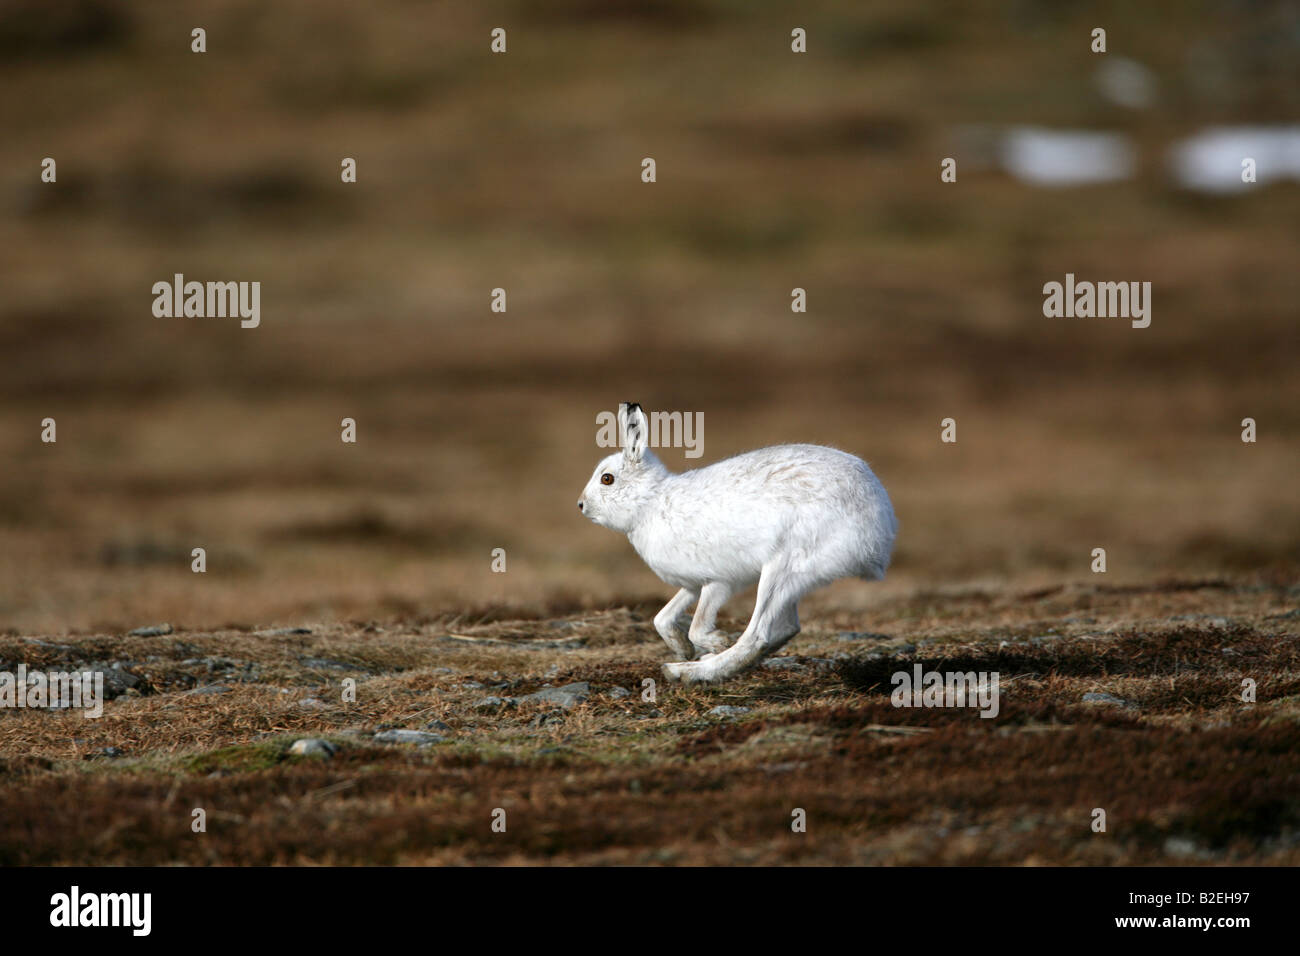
618,693
313,747
324,663
437,725
312,703
728,710
208,689
862,636
117,679
1181,847
109,752
407,737
150,630
541,720
568,696
798,663
494,703
1109,699
786,767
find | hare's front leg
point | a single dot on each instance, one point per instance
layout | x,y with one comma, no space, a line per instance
672,623
704,634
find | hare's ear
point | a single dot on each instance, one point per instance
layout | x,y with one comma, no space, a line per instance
635,430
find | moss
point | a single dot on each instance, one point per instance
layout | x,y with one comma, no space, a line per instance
242,758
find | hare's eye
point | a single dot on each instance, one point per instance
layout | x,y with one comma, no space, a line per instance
606,479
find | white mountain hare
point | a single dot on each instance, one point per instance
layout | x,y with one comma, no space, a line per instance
791,517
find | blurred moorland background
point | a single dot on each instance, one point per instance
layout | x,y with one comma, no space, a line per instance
476,430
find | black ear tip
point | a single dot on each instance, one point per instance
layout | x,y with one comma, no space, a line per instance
632,407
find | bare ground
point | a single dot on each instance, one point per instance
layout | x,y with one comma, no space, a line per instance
1187,773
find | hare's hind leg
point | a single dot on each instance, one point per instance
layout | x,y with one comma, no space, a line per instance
672,623
775,621
704,634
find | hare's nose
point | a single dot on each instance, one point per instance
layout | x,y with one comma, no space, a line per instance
580,506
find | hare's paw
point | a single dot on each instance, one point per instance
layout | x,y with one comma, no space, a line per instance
688,671
683,671
713,642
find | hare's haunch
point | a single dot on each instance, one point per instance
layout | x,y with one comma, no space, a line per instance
791,517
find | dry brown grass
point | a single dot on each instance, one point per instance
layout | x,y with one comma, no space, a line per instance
1191,775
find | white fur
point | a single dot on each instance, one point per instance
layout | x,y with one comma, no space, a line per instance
790,517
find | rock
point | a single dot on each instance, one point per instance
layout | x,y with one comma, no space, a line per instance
407,737
651,715
618,693
550,717
798,663
727,710
472,685
117,679
110,752
1109,699
66,648
1182,847
324,663
786,767
151,630
862,636
312,703
208,689
494,703
313,747
437,725
568,696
